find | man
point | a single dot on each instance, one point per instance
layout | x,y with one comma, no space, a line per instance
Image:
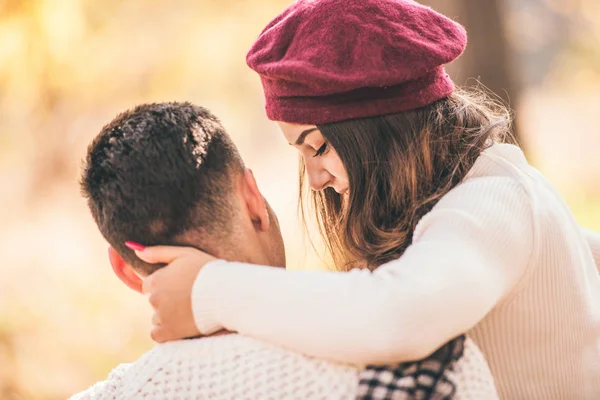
169,174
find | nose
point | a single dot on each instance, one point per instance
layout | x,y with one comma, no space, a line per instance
318,178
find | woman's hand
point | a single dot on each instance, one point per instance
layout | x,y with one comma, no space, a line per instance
170,290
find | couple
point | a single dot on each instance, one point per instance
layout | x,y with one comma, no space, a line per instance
169,173
419,192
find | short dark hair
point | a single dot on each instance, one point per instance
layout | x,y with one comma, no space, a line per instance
158,172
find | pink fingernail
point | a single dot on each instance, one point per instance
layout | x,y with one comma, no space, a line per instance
135,246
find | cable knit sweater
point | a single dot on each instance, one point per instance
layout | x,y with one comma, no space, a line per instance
234,367
500,256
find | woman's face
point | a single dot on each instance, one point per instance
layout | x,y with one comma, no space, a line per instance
323,165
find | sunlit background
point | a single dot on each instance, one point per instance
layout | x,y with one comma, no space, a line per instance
68,66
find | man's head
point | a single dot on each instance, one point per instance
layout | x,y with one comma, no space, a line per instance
169,174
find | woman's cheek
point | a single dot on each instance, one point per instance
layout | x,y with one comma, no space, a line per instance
337,168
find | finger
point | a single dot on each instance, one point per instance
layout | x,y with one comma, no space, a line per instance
153,299
156,320
148,284
161,254
159,334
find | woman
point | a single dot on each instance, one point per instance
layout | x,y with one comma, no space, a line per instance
418,184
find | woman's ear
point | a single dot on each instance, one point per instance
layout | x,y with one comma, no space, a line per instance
124,271
255,202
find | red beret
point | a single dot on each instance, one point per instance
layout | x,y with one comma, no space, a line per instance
323,61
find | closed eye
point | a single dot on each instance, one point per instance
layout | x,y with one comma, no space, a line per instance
321,150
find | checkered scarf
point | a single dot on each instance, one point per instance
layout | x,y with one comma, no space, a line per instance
429,378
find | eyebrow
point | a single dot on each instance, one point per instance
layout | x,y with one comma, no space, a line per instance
304,134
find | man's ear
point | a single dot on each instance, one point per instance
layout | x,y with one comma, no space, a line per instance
257,207
124,271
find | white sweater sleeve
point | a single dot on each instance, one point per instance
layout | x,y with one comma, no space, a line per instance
593,240
467,254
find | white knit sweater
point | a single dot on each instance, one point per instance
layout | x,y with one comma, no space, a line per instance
500,256
234,367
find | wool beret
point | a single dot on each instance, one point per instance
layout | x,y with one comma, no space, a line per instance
323,61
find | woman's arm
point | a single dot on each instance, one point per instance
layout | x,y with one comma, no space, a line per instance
467,254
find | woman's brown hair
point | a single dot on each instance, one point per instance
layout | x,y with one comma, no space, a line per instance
399,166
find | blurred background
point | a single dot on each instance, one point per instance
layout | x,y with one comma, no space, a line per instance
69,66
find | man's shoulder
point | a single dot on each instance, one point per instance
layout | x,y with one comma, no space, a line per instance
107,389
131,377
226,366
237,366
235,349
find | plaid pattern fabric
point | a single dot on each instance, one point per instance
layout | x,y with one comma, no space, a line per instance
429,378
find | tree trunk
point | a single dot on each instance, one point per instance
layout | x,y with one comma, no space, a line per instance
488,57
